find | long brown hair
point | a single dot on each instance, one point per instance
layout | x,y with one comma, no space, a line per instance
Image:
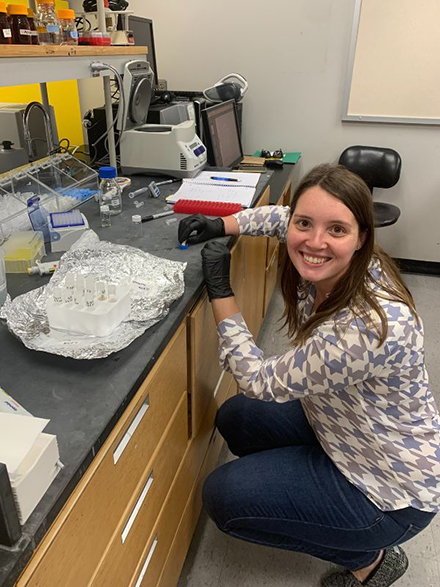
353,289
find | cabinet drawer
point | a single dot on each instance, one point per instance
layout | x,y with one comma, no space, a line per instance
205,370
271,279
137,523
159,543
72,550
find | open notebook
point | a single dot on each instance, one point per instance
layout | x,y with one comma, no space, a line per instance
240,189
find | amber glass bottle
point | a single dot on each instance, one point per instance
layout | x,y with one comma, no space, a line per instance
5,29
33,28
21,33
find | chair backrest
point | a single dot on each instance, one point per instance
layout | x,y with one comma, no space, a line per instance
379,167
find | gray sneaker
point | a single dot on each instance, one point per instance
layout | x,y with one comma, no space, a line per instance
392,566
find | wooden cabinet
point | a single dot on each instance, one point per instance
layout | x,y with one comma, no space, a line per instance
72,550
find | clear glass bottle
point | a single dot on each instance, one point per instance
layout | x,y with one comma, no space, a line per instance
48,27
109,190
137,226
68,32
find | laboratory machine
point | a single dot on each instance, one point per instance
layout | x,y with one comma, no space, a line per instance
173,150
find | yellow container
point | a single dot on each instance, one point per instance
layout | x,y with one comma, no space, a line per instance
22,250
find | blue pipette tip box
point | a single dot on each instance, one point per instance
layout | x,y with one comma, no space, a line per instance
65,219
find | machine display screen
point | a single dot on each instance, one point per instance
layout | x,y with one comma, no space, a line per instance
222,129
193,146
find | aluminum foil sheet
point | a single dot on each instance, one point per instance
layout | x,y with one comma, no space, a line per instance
156,282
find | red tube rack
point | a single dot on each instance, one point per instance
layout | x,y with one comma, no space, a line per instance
206,208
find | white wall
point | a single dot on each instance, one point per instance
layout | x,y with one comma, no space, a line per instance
294,54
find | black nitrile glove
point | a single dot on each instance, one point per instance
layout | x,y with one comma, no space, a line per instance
203,226
216,260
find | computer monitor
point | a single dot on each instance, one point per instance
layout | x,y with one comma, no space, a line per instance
142,29
221,135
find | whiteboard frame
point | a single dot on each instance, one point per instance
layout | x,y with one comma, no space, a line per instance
346,117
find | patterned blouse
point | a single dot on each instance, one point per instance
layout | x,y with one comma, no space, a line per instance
370,407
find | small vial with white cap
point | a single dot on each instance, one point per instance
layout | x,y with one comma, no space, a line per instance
137,227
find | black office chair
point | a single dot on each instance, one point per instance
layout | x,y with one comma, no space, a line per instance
379,167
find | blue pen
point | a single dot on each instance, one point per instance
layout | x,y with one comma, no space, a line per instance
224,178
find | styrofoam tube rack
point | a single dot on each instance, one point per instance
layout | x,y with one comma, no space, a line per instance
88,311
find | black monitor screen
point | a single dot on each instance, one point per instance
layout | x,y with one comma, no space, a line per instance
222,134
142,29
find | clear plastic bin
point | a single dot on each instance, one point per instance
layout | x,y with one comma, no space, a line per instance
22,250
62,182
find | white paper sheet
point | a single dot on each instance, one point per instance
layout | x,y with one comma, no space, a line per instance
17,436
203,187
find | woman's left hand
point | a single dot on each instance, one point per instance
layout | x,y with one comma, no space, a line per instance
216,261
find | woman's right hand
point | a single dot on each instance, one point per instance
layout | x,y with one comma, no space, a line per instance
203,227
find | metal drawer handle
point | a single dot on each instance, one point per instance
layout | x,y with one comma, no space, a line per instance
131,430
147,561
137,507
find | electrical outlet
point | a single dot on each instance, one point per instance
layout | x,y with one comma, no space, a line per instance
163,84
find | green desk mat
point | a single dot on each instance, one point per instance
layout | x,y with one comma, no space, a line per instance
288,157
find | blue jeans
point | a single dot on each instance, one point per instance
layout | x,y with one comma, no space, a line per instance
286,492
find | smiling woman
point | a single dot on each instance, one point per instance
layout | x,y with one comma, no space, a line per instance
338,438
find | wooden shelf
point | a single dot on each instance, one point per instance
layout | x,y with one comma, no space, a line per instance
68,51
51,63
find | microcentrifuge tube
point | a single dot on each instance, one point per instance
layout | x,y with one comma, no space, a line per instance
57,295
80,281
66,295
90,300
90,285
101,290
78,297
112,292
70,282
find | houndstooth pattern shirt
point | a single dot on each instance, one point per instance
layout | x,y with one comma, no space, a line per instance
370,407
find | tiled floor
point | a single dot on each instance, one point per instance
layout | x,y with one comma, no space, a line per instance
215,560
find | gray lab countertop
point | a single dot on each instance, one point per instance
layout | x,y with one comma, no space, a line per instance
85,399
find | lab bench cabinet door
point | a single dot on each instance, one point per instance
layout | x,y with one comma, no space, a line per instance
205,373
71,551
204,367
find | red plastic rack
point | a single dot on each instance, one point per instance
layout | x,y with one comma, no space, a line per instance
207,208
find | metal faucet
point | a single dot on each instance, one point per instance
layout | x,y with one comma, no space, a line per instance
47,128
